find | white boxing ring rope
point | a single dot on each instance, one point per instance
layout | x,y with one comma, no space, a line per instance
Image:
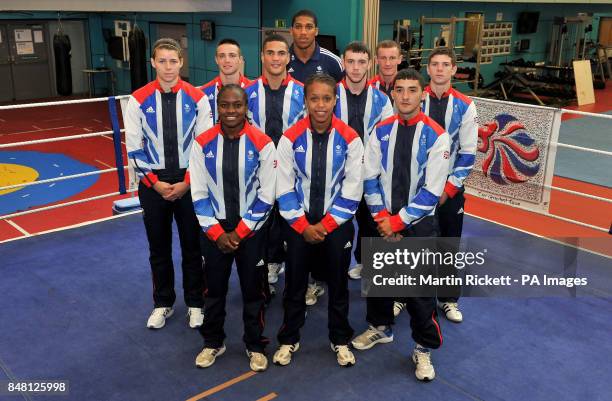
102,133
59,139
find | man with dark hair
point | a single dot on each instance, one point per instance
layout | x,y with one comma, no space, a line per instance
319,186
457,114
275,102
229,60
361,106
307,57
406,160
161,120
388,59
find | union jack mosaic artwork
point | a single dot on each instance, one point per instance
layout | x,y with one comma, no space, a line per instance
514,158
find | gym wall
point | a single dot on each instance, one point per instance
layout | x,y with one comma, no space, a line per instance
391,10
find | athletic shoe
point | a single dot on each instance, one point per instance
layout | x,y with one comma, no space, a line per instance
313,292
398,307
344,355
424,369
283,355
196,317
373,336
451,311
208,356
258,361
158,317
355,272
274,270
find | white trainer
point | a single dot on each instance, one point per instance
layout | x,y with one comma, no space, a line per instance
398,307
451,311
196,317
283,355
257,361
424,369
274,270
313,293
208,356
158,317
355,272
373,336
344,356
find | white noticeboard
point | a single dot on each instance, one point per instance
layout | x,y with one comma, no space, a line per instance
23,35
38,37
25,48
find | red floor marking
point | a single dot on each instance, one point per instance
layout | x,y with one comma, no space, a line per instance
7,231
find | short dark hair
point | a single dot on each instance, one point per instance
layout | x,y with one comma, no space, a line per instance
305,13
229,41
410,74
443,51
234,87
321,78
357,47
274,37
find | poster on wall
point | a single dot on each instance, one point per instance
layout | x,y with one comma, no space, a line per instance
23,35
25,48
516,154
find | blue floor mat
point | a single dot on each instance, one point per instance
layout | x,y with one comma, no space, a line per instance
75,303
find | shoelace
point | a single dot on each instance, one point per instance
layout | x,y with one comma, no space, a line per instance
342,350
160,312
285,348
423,357
373,332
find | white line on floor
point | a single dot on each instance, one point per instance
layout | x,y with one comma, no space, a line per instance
21,230
104,164
75,225
540,236
38,130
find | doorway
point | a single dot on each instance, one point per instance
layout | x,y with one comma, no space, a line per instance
24,61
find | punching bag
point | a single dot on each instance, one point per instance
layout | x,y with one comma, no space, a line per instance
138,58
63,72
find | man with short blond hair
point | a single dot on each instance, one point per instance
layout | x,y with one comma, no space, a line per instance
388,59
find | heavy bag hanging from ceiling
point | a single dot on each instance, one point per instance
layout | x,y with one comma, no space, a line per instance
63,72
138,57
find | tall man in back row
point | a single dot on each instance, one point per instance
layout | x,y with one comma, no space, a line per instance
307,57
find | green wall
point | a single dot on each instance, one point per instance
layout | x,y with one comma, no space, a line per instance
241,24
391,10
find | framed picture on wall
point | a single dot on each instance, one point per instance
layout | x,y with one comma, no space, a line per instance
207,30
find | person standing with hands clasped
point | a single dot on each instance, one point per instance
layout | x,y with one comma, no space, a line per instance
318,190
161,121
233,168
406,165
